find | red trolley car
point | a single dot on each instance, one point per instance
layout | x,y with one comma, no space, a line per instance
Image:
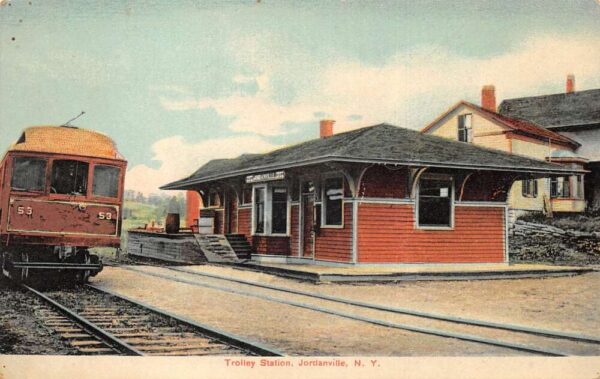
61,193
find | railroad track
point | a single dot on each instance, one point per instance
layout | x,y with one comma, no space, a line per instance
515,337
98,322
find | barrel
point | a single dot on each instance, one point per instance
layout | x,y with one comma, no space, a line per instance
172,223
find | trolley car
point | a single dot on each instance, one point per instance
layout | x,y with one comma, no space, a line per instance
61,193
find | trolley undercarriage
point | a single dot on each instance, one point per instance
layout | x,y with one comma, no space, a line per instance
73,264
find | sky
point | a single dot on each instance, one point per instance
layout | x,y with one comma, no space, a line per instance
177,83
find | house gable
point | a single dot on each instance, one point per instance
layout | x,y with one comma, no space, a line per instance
496,131
486,132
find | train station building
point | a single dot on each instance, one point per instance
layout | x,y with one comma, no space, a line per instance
375,195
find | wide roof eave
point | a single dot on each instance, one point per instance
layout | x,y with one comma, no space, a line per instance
189,182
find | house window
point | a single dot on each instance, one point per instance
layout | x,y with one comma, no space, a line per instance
578,187
106,181
333,194
29,174
560,187
435,202
259,209
529,188
465,130
279,211
69,177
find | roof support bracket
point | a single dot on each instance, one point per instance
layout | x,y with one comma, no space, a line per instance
353,174
415,174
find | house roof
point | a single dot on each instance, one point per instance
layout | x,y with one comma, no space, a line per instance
383,143
566,111
517,125
66,140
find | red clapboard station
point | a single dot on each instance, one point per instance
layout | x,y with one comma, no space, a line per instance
379,194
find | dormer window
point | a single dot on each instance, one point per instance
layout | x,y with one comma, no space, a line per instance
465,129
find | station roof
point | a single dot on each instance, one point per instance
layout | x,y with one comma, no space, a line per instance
559,112
66,140
384,144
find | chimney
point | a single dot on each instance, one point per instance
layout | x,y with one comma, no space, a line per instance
488,98
326,128
570,83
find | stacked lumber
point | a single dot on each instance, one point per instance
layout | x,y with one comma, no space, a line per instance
178,248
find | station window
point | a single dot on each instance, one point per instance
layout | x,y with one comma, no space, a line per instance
435,202
333,194
259,210
465,129
247,195
529,188
279,211
29,174
106,181
69,177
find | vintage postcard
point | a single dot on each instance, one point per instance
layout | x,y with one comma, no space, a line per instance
302,189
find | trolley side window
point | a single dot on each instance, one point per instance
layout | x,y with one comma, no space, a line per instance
29,174
106,181
69,177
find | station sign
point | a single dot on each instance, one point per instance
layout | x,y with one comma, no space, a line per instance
267,177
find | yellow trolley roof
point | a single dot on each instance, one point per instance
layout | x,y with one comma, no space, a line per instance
66,140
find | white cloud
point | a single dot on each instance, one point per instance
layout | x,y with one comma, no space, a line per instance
179,158
251,113
409,89
417,86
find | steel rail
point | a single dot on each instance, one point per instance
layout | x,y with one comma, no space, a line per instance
411,328
58,265
89,327
411,312
212,332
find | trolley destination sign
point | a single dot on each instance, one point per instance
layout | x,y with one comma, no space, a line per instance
266,177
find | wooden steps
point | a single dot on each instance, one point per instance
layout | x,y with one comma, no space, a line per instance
240,245
216,248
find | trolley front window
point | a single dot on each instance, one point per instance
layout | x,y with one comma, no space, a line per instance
69,177
29,174
106,181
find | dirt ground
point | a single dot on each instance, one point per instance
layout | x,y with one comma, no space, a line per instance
567,304
20,331
561,303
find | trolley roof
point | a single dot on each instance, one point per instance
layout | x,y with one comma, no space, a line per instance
66,140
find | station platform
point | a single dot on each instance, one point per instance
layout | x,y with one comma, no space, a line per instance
410,272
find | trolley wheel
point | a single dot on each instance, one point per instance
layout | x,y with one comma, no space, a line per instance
6,265
24,271
83,276
8,270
